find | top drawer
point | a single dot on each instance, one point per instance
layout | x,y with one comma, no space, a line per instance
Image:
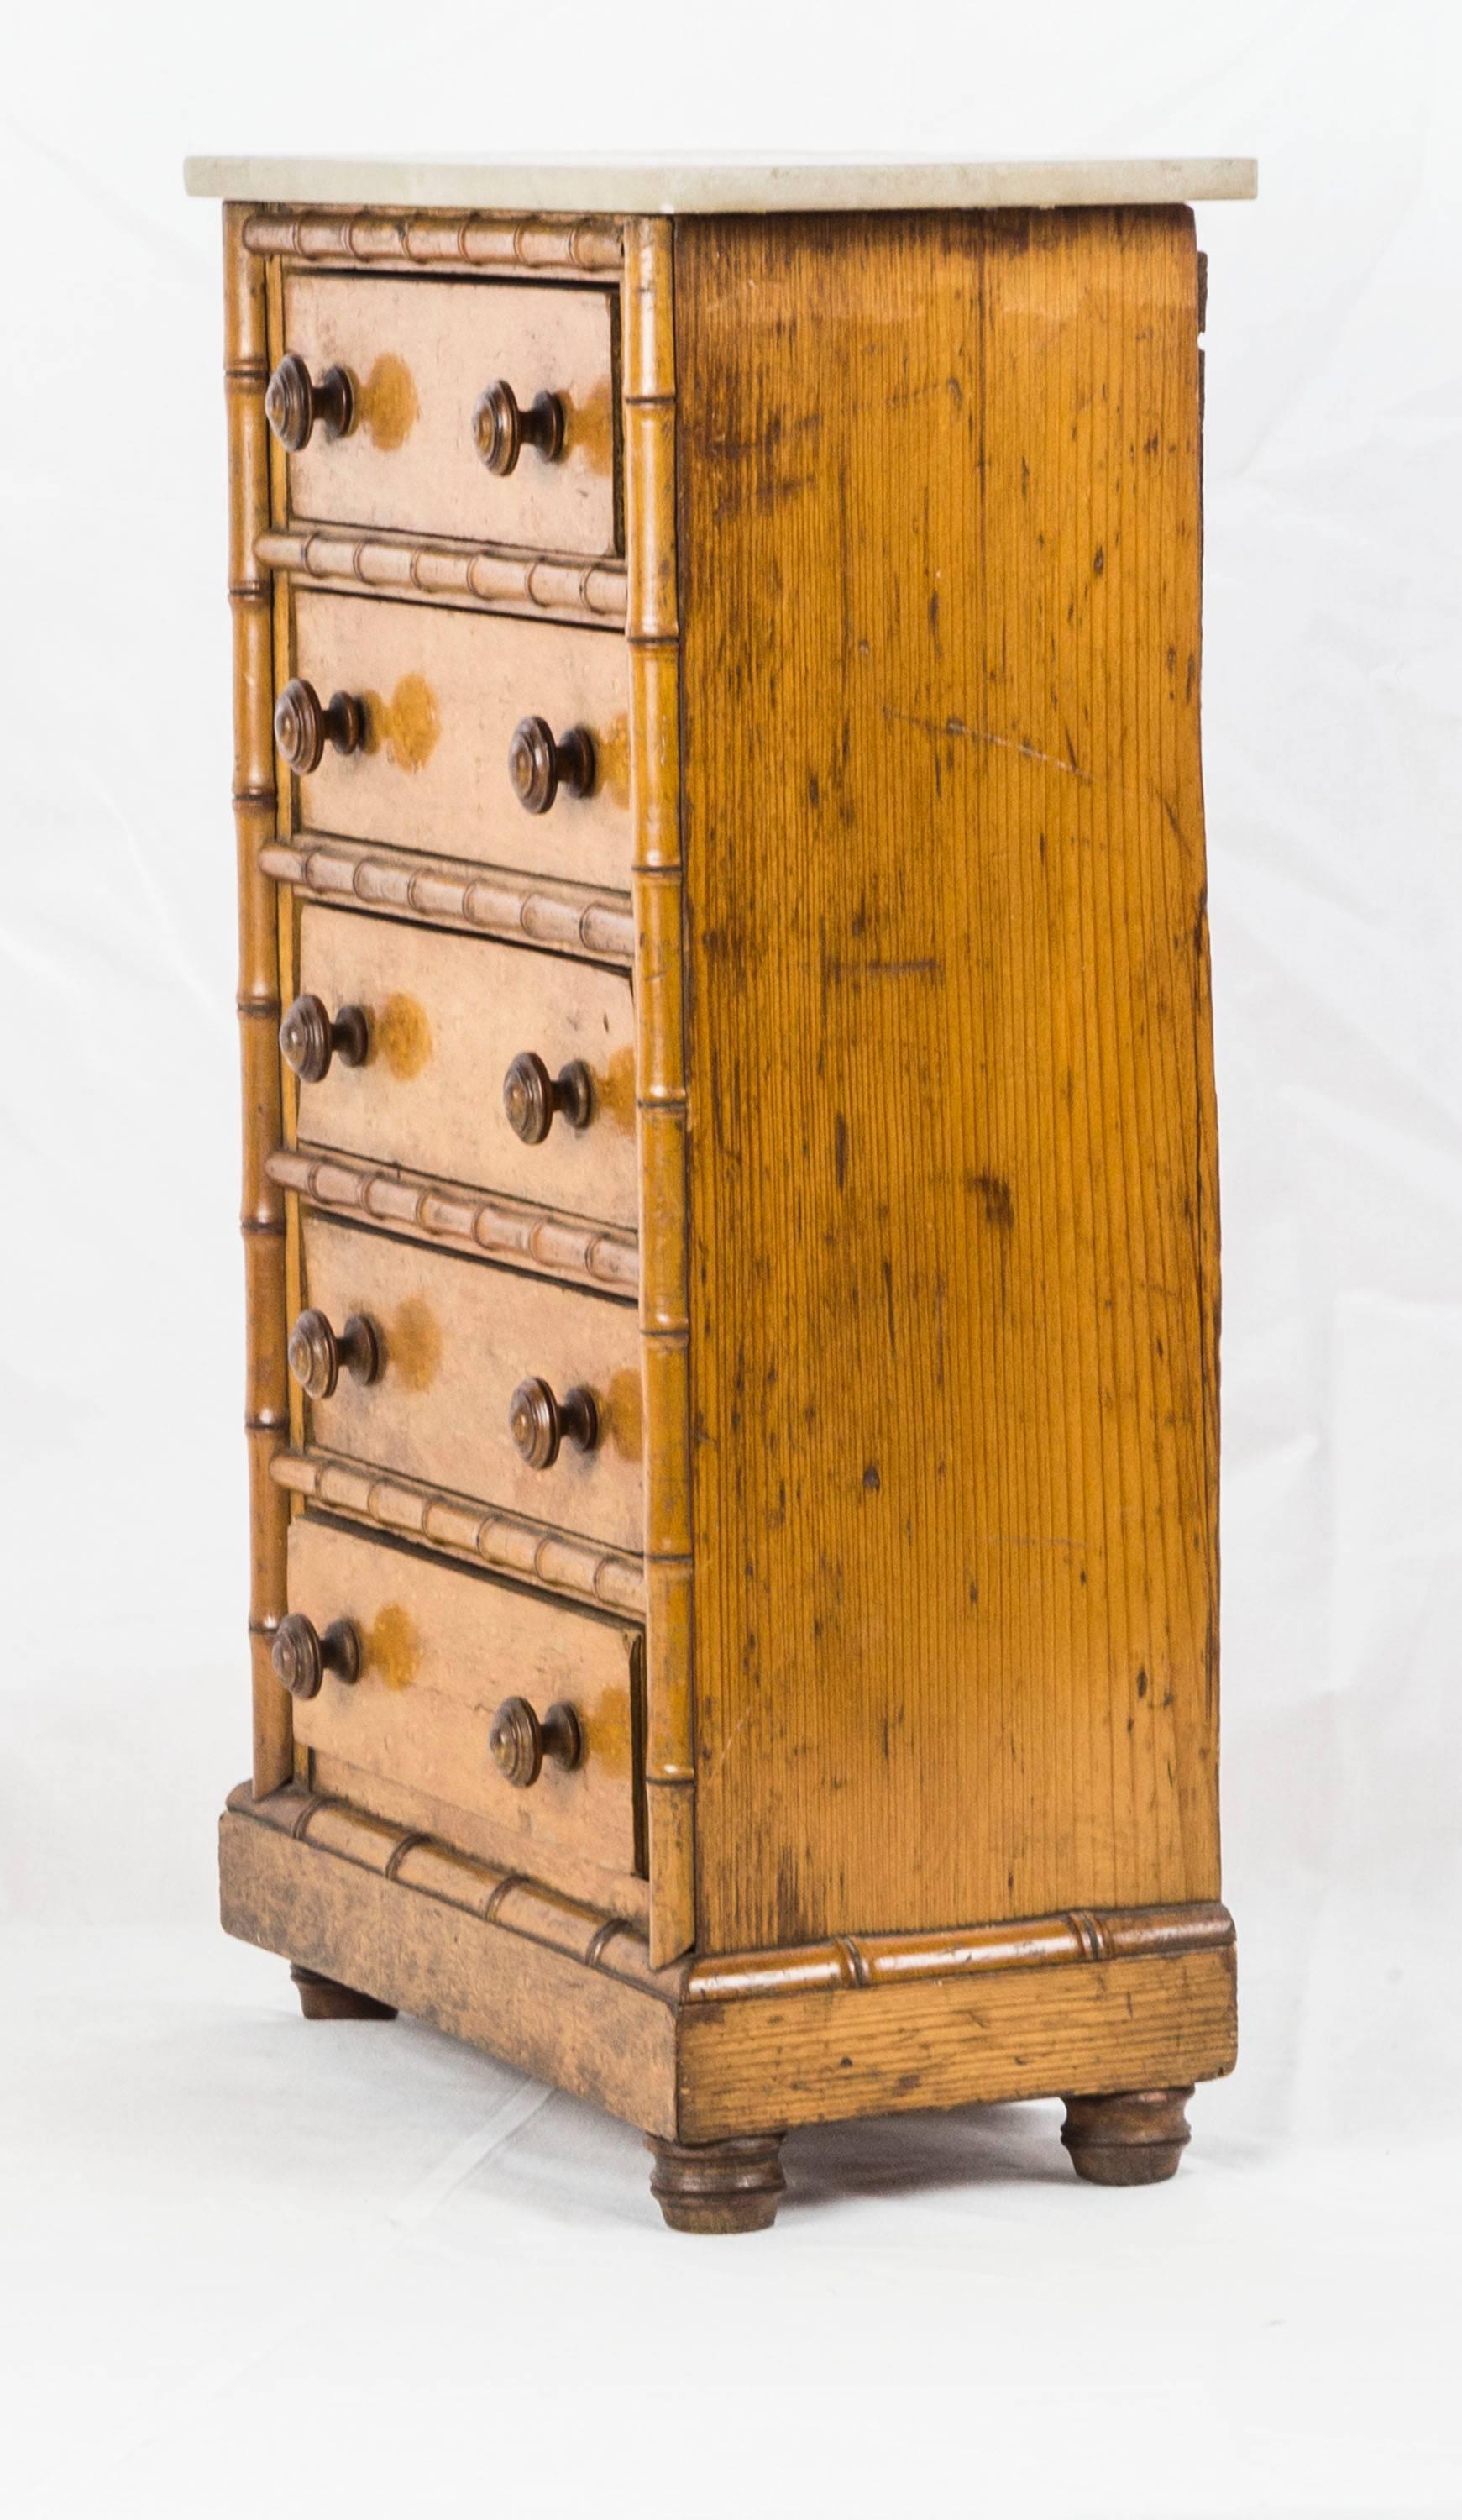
420,356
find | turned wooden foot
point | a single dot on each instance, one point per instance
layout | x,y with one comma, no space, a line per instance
322,1998
1126,2139
730,2187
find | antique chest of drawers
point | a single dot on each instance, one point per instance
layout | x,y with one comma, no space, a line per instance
730,1167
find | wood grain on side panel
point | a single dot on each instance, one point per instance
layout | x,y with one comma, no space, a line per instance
953,1238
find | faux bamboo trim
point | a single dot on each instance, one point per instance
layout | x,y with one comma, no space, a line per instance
565,249
647,339
871,1960
434,570
424,1867
266,1403
555,1560
446,893
464,1220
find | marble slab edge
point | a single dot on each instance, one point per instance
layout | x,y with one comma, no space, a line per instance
690,190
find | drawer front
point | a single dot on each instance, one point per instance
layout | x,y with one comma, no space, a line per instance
453,1340
440,1649
446,1017
443,694
418,353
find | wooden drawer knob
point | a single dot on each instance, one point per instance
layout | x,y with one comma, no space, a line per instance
302,1656
292,403
519,1744
302,728
539,765
538,1422
531,1097
317,1356
502,428
309,1040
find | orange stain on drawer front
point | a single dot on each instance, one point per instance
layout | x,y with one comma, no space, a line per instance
611,745
407,726
401,1036
620,1422
589,427
385,403
392,1647
413,1344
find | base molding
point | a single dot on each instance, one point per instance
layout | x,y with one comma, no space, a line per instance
1138,2003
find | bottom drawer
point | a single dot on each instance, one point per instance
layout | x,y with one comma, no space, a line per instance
440,1649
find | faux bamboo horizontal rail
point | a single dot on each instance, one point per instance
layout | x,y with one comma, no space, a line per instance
508,1543
448,892
488,1225
512,1900
426,571
889,1959
522,249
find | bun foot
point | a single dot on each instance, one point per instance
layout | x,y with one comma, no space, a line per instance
321,1999
730,2186
1126,2139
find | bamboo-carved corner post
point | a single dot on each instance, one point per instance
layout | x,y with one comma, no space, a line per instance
266,1406
652,629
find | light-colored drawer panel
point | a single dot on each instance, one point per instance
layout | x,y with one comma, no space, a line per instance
418,353
443,694
440,1649
446,1017
454,1340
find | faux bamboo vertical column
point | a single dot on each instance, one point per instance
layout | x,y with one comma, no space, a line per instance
266,1405
648,352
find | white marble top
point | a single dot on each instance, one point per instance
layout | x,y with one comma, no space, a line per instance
689,185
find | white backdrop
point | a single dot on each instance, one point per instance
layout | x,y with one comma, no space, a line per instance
368,2259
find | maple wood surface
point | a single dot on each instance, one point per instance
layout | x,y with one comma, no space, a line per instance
418,354
447,1016
455,1339
443,692
440,1651
953,1233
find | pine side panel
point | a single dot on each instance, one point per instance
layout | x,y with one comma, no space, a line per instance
953,1246
266,1405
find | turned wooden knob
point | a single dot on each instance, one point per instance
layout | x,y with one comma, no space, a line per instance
519,1742
292,403
302,1656
531,1097
309,1040
538,1422
502,428
302,728
539,765
317,1356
